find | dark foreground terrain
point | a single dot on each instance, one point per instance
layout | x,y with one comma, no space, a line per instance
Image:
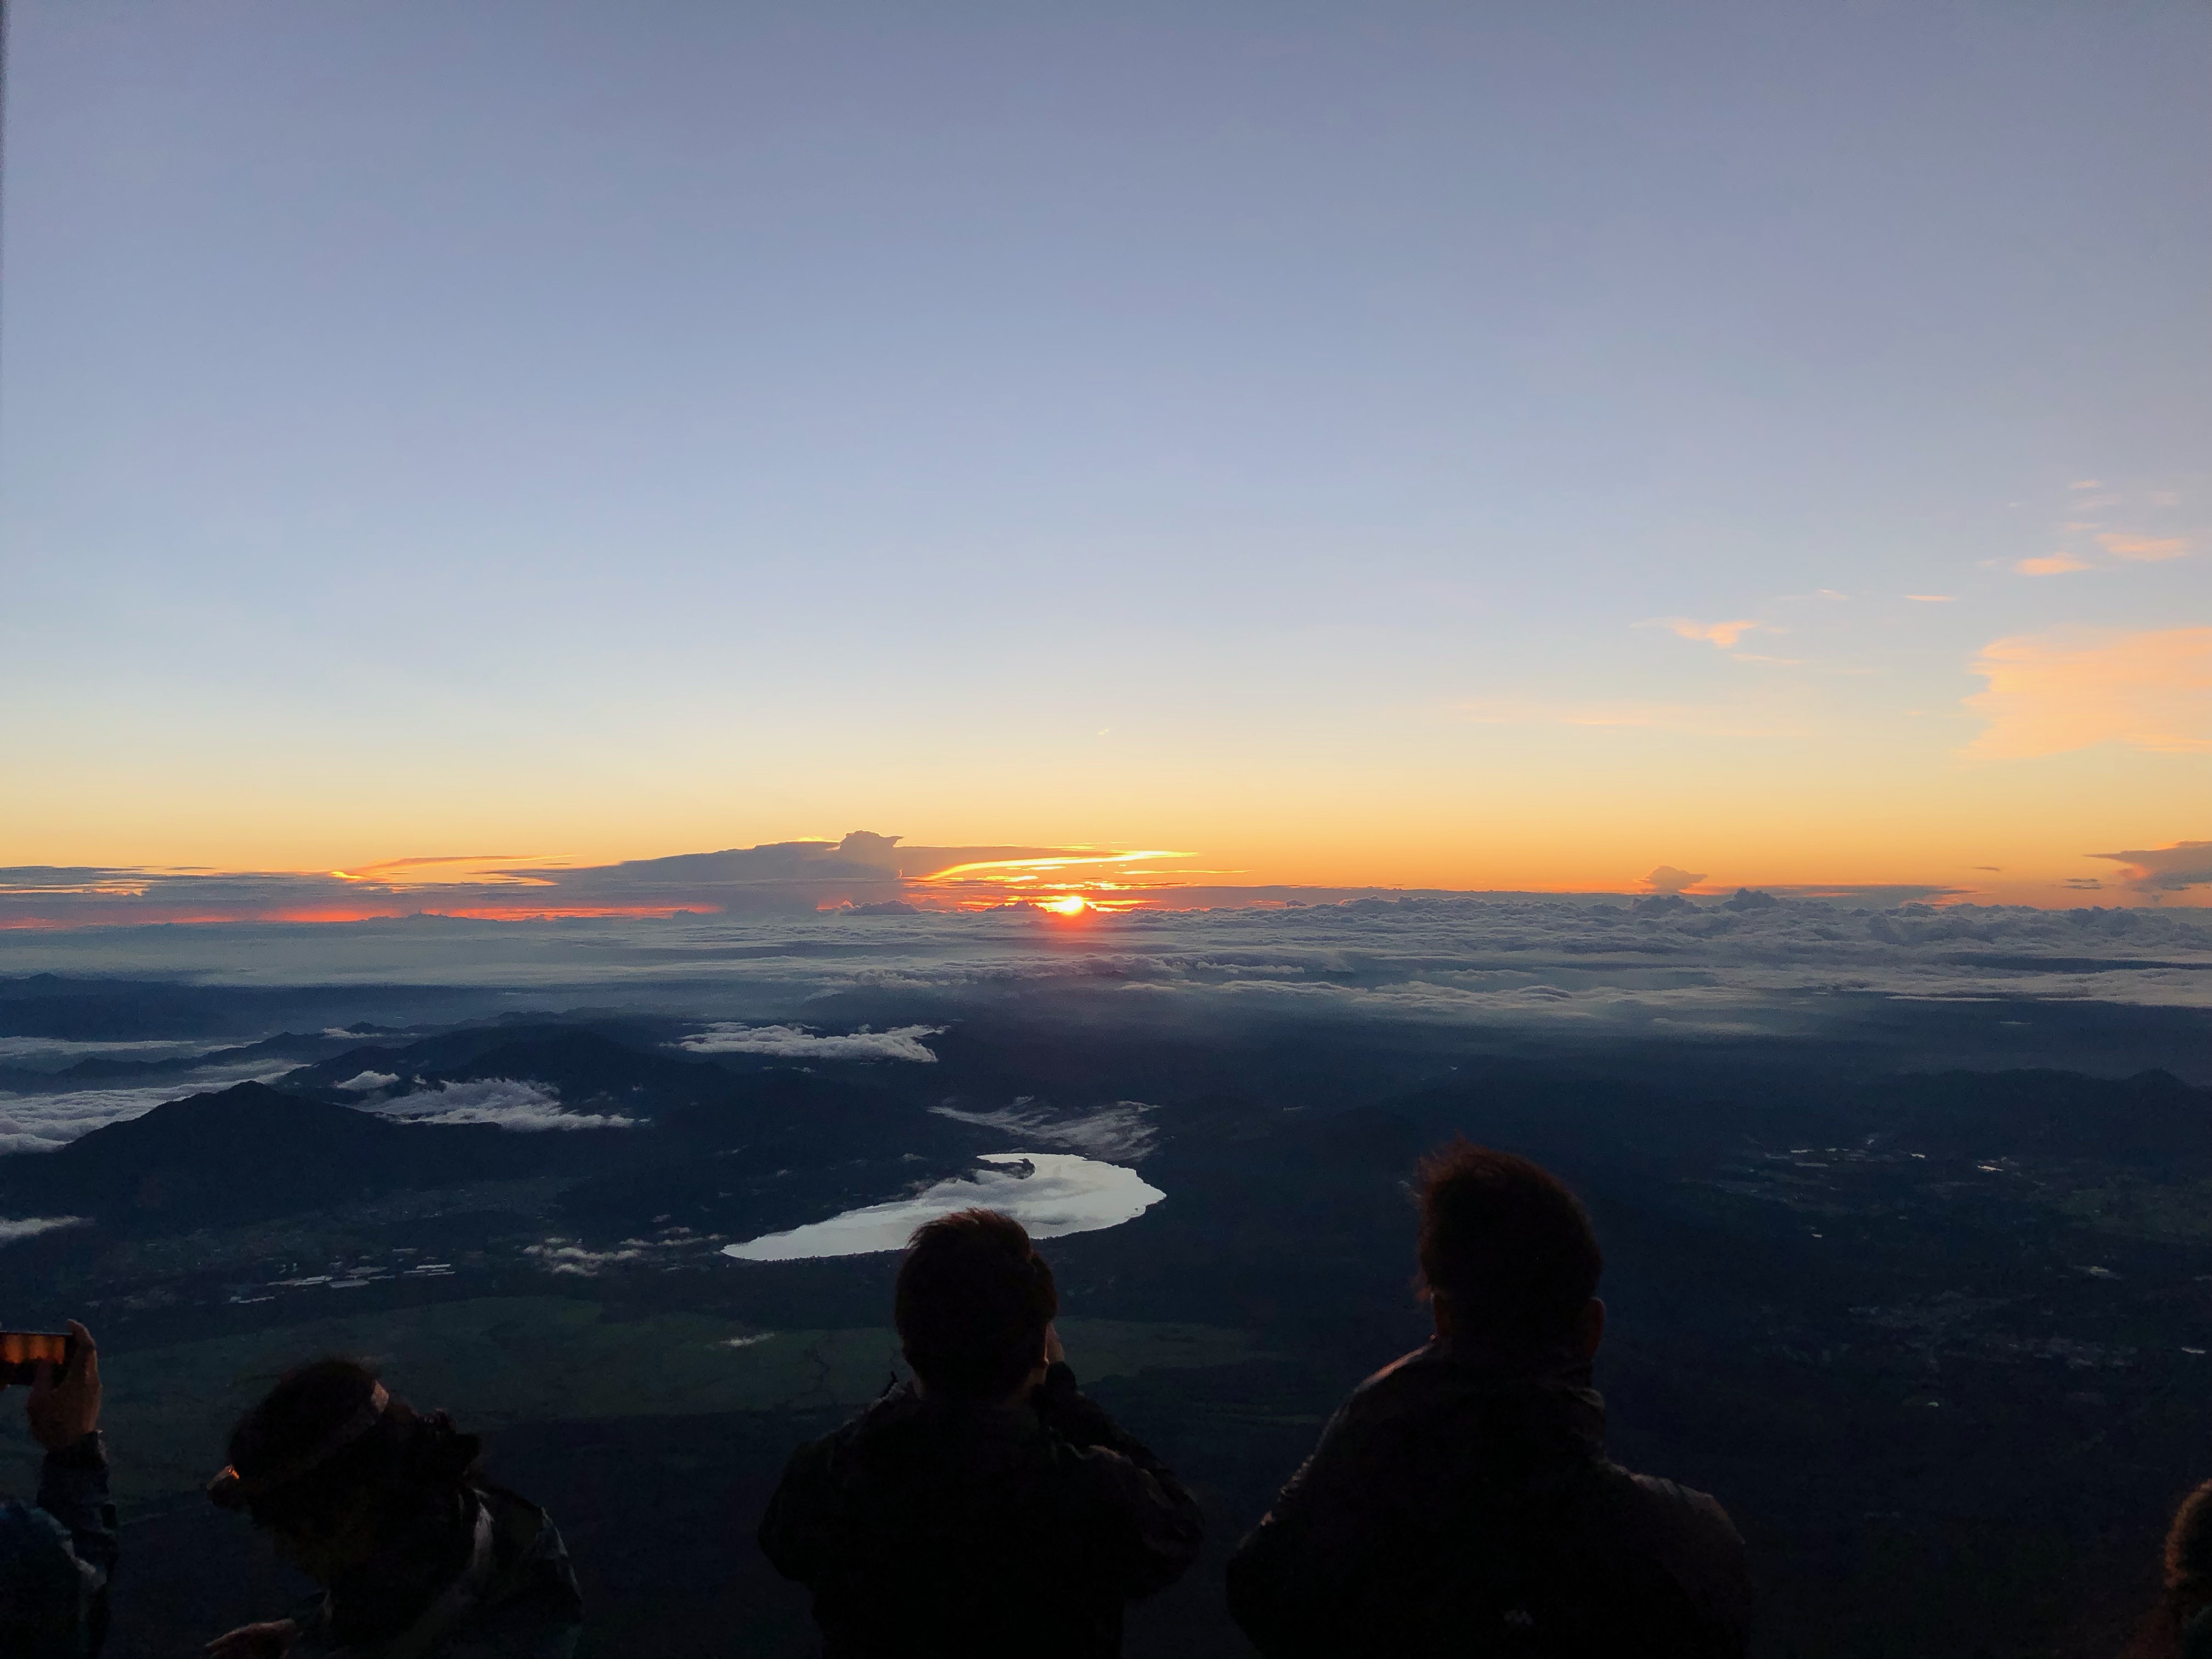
1934,1333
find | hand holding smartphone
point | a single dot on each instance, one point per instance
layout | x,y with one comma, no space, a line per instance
21,1352
64,1371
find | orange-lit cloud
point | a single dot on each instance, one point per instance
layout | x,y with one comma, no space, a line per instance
453,870
1021,870
2072,689
2166,869
2058,564
1722,634
2147,548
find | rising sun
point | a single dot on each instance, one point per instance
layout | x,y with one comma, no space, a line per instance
1070,905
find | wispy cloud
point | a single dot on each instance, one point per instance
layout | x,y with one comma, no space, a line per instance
2146,549
1119,1133
1722,634
2074,687
2058,564
1933,599
32,1227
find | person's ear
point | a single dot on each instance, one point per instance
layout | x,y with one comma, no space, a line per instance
1589,1329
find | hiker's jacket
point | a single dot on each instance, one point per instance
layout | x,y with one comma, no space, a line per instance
497,1586
1455,1507
926,1527
56,1556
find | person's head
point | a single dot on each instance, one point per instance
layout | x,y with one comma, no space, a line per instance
333,1467
2189,1554
1507,1254
974,1300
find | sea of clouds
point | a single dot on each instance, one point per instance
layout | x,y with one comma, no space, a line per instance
1514,952
1551,968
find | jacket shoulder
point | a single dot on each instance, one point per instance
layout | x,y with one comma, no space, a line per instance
1692,1535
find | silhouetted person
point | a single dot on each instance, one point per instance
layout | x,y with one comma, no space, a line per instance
56,1556
2180,1627
1461,1501
985,1508
419,1558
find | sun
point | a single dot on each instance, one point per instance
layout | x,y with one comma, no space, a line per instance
1070,906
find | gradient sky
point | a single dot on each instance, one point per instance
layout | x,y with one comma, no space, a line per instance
1470,444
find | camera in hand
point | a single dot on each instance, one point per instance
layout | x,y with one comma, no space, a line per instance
22,1350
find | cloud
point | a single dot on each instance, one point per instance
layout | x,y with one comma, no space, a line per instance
1933,599
2072,688
2166,869
1668,879
573,1257
1722,634
32,1227
2149,548
1119,1131
2058,564
1050,1194
508,1102
796,1043
781,877
1538,967
363,1081
47,1122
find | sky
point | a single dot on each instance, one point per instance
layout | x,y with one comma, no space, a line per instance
1441,446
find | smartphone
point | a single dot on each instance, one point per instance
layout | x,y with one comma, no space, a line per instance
22,1350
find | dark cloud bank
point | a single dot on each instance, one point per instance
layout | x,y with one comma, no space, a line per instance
864,872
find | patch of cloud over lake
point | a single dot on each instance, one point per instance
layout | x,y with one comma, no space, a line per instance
32,1227
797,1042
506,1102
1051,1194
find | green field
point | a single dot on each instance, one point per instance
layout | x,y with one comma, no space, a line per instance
496,1361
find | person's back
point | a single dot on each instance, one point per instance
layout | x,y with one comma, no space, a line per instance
989,1507
57,1554
1461,1501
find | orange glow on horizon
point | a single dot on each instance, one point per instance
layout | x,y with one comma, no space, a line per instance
971,872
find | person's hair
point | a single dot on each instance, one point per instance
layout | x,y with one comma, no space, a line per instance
1506,1243
2187,1577
312,1422
974,1300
